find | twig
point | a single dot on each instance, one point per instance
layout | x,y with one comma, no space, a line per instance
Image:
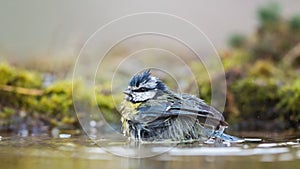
21,90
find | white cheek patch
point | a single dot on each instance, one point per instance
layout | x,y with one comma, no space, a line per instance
142,96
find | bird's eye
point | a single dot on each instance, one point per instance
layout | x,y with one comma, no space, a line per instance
142,89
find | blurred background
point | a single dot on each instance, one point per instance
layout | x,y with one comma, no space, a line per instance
58,28
258,42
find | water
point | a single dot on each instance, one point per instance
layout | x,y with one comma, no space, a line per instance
80,152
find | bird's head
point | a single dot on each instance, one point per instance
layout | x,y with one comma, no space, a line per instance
143,87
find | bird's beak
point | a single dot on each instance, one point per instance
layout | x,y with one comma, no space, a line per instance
127,91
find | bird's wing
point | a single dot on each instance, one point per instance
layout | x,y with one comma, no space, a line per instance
159,111
205,114
199,104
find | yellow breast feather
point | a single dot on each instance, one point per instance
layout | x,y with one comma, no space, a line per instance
129,109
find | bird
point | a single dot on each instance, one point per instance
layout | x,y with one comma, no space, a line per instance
152,112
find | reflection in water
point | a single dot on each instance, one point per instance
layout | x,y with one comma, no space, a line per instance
81,152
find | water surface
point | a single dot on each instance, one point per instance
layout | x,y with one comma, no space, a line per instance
81,152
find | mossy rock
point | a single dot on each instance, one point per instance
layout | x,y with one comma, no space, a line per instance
265,69
57,102
18,77
289,104
256,98
61,87
54,104
26,79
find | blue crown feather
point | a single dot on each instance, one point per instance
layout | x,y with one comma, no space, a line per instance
139,78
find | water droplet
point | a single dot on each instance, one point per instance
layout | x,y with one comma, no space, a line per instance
253,139
65,135
93,123
267,145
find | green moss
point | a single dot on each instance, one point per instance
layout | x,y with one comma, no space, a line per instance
237,41
274,38
6,112
26,79
12,77
256,98
289,103
236,59
205,91
60,87
18,77
57,103
265,69
269,14
6,73
294,23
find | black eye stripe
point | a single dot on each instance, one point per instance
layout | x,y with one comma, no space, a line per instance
142,89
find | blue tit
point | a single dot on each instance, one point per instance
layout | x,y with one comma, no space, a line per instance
152,112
